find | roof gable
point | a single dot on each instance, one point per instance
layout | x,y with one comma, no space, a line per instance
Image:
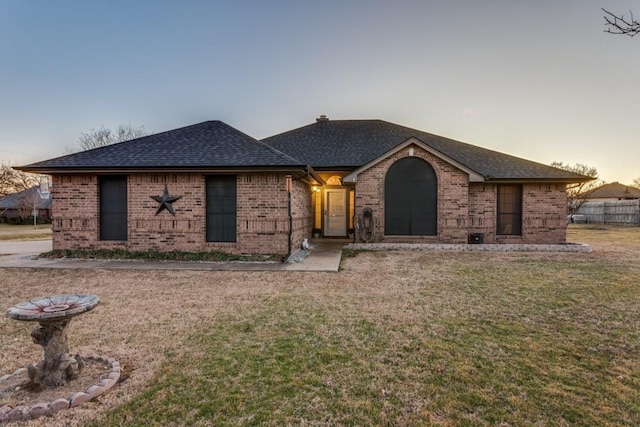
26,198
210,145
473,176
615,190
351,144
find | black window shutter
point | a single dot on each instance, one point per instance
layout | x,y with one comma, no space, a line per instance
509,218
113,208
221,208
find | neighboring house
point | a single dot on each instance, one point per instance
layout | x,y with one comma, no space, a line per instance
23,203
210,187
614,191
613,203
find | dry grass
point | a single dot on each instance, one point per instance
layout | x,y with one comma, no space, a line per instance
24,232
395,338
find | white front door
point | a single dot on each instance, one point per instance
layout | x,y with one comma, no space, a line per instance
335,212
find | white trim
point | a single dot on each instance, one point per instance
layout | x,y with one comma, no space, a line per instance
473,176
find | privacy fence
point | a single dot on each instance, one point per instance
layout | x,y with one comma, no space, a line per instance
622,212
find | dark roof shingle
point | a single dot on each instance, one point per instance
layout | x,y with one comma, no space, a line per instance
211,144
328,144
349,144
615,190
25,198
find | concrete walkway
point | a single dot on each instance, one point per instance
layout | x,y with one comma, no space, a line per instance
323,256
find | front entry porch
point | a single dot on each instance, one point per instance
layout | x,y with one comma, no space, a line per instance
333,207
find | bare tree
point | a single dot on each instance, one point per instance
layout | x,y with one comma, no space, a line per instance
636,182
579,193
105,136
29,204
618,24
13,181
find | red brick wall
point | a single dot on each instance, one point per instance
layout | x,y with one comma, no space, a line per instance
262,224
465,207
452,198
74,211
262,214
483,203
302,214
544,213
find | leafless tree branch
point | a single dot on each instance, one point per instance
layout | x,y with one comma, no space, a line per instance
578,194
620,25
104,136
13,181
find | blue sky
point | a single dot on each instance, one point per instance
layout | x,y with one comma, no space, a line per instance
536,79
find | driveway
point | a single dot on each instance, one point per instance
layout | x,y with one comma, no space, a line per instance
15,249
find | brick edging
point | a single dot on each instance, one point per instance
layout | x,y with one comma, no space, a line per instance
25,413
569,247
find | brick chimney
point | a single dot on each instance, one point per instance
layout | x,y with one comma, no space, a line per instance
322,118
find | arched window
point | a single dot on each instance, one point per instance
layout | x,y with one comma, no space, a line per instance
411,199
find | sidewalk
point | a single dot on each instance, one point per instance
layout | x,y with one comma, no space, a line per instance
323,256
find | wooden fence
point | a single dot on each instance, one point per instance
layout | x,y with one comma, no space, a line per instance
623,212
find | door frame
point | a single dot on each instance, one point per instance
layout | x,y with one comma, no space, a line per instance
325,212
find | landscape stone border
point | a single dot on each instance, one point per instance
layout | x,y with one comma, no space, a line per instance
464,247
25,413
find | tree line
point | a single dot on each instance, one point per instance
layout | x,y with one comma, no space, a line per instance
13,181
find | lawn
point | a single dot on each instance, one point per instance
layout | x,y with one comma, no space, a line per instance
394,338
25,232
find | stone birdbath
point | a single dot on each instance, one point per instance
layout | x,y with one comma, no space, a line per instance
53,315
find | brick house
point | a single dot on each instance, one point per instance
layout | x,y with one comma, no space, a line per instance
614,191
23,204
210,187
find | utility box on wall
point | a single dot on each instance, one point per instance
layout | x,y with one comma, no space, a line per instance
476,238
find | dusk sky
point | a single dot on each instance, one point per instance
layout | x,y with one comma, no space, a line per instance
536,79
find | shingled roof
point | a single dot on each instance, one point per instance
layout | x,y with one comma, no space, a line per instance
350,144
25,198
208,145
615,190
326,144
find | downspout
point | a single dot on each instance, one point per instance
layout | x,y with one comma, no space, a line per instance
289,186
289,183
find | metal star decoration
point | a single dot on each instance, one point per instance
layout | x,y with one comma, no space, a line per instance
166,201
